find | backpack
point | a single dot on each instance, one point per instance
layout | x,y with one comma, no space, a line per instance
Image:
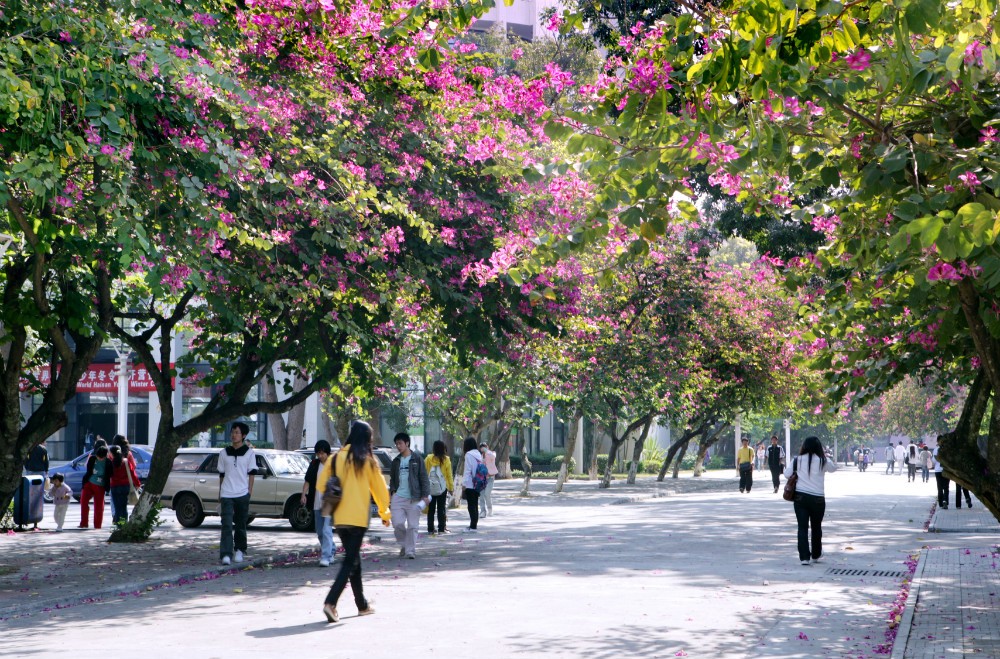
479,477
438,483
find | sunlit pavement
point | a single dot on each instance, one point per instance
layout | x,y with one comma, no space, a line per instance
704,574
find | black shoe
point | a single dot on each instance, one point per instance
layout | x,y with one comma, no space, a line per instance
742,491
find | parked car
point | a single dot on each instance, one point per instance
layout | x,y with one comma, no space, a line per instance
192,488
74,470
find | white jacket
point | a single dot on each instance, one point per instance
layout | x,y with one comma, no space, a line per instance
472,460
810,474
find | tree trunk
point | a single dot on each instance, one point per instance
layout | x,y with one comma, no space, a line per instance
590,440
640,444
960,454
616,443
279,434
699,461
526,464
680,458
574,430
684,439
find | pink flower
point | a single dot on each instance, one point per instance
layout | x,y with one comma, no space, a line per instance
555,22
64,36
973,54
970,180
517,54
989,134
859,60
108,150
943,271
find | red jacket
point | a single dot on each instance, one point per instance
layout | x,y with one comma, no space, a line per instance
119,474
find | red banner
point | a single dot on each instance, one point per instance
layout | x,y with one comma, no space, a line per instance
103,379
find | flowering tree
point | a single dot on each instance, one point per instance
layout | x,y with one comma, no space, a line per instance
874,123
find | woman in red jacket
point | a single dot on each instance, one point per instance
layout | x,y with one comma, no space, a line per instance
122,471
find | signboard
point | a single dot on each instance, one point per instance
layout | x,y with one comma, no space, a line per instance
103,379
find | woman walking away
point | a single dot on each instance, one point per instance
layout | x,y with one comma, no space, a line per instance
473,458
123,478
438,465
926,461
811,466
360,479
911,463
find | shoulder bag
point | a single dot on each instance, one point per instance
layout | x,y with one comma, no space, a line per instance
133,492
793,480
334,490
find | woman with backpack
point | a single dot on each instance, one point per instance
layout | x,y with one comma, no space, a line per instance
811,466
438,465
360,481
470,477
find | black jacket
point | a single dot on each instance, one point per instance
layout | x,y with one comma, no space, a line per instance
775,456
38,459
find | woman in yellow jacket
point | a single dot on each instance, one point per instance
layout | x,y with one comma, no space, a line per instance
360,479
441,485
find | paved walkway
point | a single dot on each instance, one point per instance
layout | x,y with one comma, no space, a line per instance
682,568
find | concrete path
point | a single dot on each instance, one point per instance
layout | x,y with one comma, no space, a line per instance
655,570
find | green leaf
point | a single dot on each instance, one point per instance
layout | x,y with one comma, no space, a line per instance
830,176
515,276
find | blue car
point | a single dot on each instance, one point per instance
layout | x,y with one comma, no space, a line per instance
73,471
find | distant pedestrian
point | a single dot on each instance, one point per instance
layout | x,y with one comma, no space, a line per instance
890,459
473,458
942,482
959,491
123,478
312,499
409,494
439,475
760,457
61,495
900,456
744,465
911,463
775,461
361,482
926,461
708,459
237,467
96,483
486,498
810,497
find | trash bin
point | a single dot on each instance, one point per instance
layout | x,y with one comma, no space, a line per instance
29,502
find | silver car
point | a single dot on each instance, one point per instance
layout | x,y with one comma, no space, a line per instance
192,489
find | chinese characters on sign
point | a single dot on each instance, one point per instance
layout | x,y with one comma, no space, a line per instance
103,378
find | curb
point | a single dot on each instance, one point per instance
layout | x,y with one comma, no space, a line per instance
906,622
36,606
645,497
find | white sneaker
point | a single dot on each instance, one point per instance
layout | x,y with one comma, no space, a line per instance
226,560
806,562
239,556
817,560
324,563
469,530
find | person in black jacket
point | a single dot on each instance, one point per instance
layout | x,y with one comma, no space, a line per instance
409,493
775,461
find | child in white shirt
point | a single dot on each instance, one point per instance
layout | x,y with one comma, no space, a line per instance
61,495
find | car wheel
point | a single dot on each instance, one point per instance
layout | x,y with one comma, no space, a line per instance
300,517
189,511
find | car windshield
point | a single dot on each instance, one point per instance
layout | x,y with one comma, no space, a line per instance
288,463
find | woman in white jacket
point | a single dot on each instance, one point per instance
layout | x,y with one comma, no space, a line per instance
811,466
473,458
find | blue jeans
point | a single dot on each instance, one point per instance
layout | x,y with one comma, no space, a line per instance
324,531
235,512
119,503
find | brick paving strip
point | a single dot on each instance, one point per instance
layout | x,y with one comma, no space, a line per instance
954,606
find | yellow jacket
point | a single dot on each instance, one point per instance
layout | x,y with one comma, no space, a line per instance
445,464
745,455
358,488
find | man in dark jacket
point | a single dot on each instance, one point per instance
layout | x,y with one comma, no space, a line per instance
409,492
775,461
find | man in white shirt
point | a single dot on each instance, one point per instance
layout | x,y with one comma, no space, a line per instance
237,467
942,482
900,456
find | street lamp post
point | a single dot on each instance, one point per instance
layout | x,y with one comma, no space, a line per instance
788,438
